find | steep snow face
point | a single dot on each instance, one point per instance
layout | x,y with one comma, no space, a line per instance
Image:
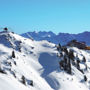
36,66
27,62
62,38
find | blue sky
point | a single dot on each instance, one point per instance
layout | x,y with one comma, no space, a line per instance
70,16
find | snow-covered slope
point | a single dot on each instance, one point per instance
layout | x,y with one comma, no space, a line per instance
28,62
36,66
62,38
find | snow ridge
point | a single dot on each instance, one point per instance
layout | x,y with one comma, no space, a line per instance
62,38
33,65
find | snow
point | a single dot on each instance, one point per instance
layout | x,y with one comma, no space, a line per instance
62,38
9,83
37,61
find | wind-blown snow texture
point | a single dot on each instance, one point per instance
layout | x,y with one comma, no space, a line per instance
37,61
62,38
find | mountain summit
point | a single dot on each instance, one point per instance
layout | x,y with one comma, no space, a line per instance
62,38
26,64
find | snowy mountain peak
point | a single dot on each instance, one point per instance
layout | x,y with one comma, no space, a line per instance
40,65
62,38
19,62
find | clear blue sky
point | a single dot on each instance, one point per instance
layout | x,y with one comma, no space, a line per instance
71,16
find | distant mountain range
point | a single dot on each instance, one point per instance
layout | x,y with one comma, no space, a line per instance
62,38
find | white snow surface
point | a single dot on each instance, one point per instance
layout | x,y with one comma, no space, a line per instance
37,61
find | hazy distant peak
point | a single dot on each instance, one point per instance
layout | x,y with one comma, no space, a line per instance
62,38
